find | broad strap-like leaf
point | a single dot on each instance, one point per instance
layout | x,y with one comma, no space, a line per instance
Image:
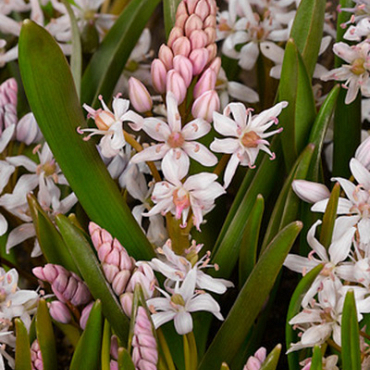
45,336
87,353
252,296
307,31
22,347
92,274
272,359
316,363
169,11
107,64
52,96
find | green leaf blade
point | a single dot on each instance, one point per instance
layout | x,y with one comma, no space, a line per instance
22,347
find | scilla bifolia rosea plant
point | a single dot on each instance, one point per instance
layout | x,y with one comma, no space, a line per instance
161,161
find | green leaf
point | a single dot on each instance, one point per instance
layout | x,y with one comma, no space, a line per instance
124,360
287,204
52,96
22,347
50,240
297,118
45,336
71,332
294,308
92,274
307,31
224,366
249,243
316,363
260,182
105,350
253,295
272,359
87,353
169,10
107,64
76,56
351,354
329,218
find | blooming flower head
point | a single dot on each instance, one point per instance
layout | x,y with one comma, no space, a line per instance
177,307
110,125
247,135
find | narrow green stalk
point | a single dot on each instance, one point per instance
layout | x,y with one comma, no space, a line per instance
190,352
165,350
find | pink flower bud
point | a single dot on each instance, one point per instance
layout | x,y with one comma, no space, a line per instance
211,34
191,4
113,365
181,9
198,39
144,276
184,66
216,65
120,281
145,353
206,83
176,84
213,7
139,96
175,34
309,191
159,76
36,357
114,346
27,130
8,92
210,21
193,23
126,302
205,105
181,46
85,315
199,58
202,9
212,52
166,56
180,20
260,354
255,362
60,312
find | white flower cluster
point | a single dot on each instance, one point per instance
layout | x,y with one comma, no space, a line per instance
346,262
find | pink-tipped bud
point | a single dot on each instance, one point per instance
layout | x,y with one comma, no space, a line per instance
363,153
191,4
212,7
255,362
175,34
211,34
145,353
212,52
206,83
8,92
198,39
216,65
210,21
159,76
180,20
36,357
126,302
181,46
202,9
144,276
85,315
181,9
199,59
60,312
139,96
177,85
260,354
184,66
309,191
27,130
66,285
166,56
193,23
205,105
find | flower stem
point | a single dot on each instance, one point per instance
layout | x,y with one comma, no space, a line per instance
165,350
129,139
221,164
190,352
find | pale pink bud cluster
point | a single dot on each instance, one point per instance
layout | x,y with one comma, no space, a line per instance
36,358
145,353
8,103
190,48
120,269
255,362
66,285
